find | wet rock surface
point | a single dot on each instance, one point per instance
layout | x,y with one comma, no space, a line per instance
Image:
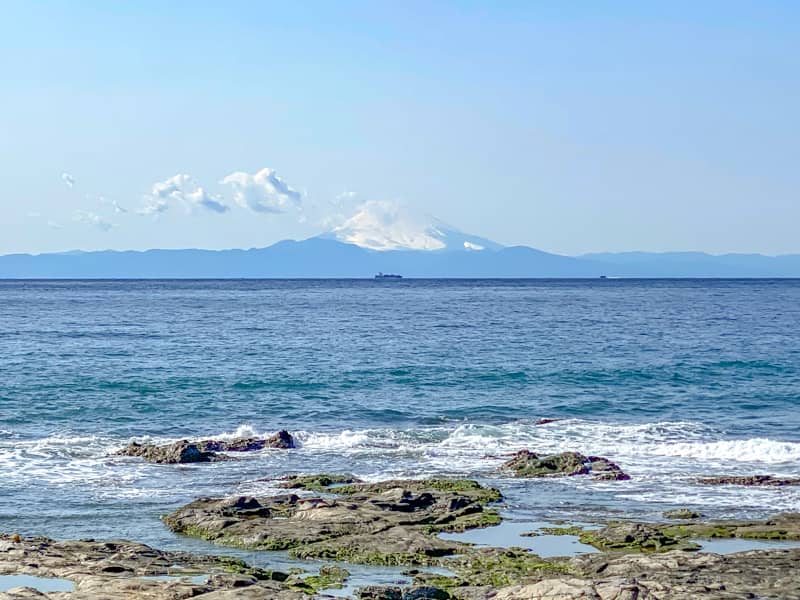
518,575
339,518
387,523
684,575
750,480
529,464
662,537
783,526
185,451
121,569
318,483
396,593
282,440
681,513
181,452
635,537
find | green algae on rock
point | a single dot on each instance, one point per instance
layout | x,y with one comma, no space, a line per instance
529,464
634,537
683,514
329,577
783,526
624,536
317,483
494,567
387,523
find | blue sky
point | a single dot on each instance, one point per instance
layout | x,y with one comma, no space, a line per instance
568,126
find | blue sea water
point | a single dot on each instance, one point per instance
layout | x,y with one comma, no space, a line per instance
671,379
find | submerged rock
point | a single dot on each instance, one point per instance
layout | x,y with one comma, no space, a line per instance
185,451
750,480
529,464
681,513
388,523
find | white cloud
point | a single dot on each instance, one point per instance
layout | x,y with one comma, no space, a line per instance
472,246
93,219
53,225
263,191
345,197
115,206
384,225
184,190
68,179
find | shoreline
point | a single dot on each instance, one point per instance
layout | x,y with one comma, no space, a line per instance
437,538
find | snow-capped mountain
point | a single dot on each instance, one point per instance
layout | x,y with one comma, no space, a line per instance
383,226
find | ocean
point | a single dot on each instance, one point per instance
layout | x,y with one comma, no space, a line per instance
671,379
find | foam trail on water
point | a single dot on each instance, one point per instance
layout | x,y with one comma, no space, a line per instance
750,450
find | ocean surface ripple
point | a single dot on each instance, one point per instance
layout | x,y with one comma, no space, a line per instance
671,379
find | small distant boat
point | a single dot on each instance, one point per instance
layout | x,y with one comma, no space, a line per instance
603,277
388,276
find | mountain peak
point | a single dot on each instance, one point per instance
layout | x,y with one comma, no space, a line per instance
382,226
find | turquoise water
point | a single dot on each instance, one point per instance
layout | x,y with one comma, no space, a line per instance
671,379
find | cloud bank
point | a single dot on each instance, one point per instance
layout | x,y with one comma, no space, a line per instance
263,192
92,219
180,189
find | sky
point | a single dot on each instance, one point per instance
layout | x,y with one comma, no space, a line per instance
568,126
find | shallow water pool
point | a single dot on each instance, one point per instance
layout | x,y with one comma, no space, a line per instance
43,584
509,534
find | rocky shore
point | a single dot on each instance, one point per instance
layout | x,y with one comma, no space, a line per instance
387,523
186,451
338,519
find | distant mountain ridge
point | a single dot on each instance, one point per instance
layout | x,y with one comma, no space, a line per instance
329,258
697,264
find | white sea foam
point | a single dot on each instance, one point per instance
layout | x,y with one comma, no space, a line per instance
245,430
345,440
663,458
749,450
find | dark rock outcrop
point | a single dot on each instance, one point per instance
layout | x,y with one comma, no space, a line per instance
388,523
684,514
750,480
180,452
282,440
185,451
395,593
529,464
